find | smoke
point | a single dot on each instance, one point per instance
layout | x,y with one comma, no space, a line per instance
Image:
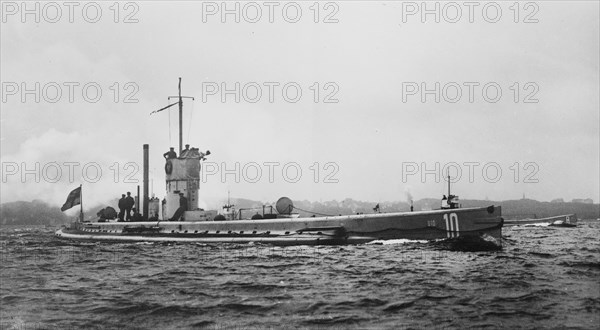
47,167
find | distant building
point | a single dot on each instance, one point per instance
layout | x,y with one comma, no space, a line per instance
558,200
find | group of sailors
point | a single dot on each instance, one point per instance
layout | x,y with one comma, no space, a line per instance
126,205
185,153
128,212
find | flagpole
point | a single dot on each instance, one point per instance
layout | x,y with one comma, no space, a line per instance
80,203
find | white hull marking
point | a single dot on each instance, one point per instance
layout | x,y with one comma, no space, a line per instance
452,229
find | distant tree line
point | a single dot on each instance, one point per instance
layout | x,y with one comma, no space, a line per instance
31,213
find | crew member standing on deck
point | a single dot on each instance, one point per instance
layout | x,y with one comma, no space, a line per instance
171,154
185,151
121,207
129,203
183,206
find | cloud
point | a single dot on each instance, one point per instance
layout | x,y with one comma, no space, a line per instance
48,166
367,54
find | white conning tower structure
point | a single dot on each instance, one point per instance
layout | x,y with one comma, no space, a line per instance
182,176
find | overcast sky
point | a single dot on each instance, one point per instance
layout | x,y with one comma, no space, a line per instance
362,128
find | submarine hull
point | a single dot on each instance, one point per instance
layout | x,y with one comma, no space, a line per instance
336,230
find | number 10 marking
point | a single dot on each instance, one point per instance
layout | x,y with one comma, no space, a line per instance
451,225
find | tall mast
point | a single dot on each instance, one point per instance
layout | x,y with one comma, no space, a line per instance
448,186
180,119
180,103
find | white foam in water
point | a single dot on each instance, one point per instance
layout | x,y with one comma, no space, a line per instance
543,224
396,241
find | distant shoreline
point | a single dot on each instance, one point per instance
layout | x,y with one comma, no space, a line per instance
40,213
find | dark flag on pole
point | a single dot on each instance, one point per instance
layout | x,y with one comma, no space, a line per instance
73,199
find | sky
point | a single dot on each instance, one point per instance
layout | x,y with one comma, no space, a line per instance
369,100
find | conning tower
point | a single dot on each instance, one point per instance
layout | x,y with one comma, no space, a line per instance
182,176
183,173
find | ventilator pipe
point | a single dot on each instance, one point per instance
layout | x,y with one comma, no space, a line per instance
146,167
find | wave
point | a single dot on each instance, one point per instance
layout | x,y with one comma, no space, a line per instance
56,283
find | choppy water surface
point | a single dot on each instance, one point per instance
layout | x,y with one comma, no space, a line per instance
544,277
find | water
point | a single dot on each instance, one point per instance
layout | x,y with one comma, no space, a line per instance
544,277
